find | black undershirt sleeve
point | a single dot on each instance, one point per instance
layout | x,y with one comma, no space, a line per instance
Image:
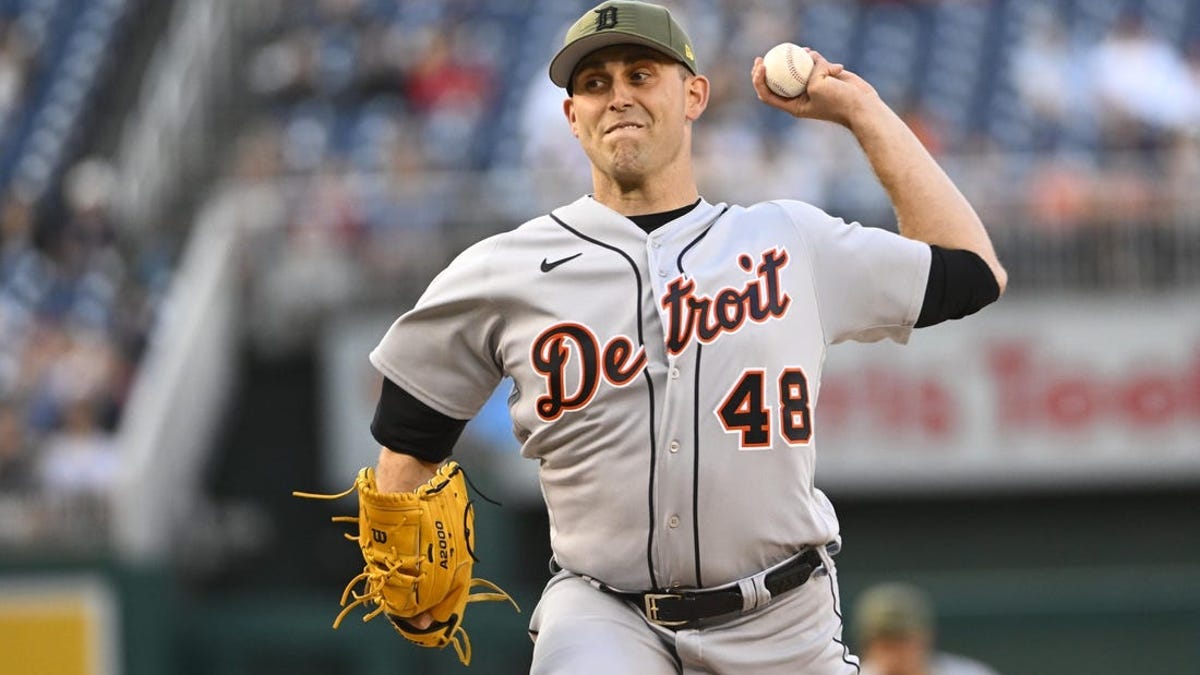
960,283
405,425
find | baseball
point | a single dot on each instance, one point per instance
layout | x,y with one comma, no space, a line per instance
787,66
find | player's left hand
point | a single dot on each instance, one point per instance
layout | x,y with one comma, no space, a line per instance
417,549
833,94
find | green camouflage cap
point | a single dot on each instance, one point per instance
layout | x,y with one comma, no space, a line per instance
620,22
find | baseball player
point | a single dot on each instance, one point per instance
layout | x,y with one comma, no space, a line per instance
666,356
895,629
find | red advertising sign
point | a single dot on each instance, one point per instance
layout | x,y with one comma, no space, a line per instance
1025,394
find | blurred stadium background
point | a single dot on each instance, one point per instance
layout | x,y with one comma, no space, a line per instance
210,210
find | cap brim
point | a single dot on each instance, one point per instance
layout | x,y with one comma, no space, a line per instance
564,63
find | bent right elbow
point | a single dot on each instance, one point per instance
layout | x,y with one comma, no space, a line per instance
1001,275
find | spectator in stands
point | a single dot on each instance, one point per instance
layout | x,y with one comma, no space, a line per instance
451,92
547,146
315,271
732,148
16,454
1048,72
338,50
40,379
404,243
385,52
1192,56
15,56
925,124
1182,164
1060,194
894,624
441,81
89,227
1142,84
282,70
81,458
16,229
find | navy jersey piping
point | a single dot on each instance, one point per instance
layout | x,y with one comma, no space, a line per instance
696,423
649,388
846,655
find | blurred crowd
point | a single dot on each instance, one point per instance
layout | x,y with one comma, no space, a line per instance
76,310
1055,123
378,108
1117,120
383,135
1070,125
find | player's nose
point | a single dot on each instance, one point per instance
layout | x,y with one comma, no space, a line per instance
620,96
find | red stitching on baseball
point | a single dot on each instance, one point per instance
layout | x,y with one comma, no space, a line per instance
796,74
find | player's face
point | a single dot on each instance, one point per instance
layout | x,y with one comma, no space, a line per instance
632,109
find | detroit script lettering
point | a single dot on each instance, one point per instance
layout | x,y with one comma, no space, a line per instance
689,317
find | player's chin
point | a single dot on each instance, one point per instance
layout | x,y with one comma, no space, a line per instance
627,173
627,158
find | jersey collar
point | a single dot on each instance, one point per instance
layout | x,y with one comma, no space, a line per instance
602,222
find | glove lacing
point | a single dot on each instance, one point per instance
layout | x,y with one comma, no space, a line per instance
374,578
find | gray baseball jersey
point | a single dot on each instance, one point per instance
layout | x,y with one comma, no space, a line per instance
667,383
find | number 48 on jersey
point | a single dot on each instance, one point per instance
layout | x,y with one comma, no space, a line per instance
745,410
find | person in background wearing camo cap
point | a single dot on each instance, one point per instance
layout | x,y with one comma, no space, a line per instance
666,356
894,628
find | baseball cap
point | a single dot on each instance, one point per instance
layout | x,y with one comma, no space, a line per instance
893,609
619,22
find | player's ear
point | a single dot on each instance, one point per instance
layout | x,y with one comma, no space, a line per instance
569,111
696,90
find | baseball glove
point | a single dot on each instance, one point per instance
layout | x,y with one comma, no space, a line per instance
418,551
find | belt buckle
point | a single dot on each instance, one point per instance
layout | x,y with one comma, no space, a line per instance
650,600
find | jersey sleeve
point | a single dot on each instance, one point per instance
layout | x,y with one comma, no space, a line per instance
443,351
870,283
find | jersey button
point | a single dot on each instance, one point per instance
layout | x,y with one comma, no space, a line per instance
673,521
674,446
674,373
662,273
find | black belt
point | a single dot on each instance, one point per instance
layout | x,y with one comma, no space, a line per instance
685,607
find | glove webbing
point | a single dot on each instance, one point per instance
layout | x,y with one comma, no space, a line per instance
374,576
462,644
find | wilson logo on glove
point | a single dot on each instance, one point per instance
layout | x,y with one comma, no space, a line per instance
403,577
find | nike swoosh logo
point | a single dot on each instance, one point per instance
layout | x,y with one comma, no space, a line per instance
547,266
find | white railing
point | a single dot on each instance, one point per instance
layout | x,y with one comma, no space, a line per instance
184,380
180,392
168,138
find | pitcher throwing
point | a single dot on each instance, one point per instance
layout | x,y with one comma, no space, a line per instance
666,354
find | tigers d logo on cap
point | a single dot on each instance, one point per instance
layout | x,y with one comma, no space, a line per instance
606,18
621,22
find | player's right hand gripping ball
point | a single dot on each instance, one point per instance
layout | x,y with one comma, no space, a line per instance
418,553
787,69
